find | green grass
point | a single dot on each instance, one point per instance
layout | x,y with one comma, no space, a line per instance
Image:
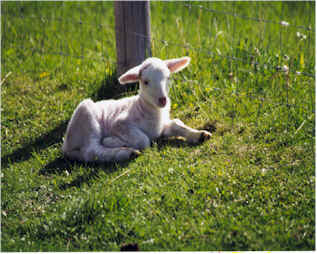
251,187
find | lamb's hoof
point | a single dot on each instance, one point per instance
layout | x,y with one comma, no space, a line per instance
134,154
205,135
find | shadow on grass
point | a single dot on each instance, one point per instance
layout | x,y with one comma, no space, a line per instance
172,142
175,142
61,165
44,141
110,88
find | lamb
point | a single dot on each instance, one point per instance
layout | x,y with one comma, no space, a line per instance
116,130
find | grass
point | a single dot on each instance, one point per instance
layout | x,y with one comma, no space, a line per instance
251,187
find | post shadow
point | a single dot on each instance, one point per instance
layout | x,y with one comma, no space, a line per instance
111,88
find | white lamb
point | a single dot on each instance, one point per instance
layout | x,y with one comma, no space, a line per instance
116,130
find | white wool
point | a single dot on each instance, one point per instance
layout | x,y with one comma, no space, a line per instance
115,130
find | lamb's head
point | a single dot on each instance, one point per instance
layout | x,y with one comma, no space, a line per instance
153,75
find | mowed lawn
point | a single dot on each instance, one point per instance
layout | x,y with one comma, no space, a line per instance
251,82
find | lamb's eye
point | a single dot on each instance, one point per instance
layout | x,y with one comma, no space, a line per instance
146,82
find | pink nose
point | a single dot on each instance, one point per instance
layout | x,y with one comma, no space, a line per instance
162,101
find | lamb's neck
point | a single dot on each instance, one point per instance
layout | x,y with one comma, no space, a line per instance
149,110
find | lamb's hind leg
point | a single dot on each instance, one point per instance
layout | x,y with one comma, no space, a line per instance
113,142
124,146
82,127
98,152
126,134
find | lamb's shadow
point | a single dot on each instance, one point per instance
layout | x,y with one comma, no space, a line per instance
62,165
42,142
58,166
172,142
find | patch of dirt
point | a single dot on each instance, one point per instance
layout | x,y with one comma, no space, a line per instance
129,247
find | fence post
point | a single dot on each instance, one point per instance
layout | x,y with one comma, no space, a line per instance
133,38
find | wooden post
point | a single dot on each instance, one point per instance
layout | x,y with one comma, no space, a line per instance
133,35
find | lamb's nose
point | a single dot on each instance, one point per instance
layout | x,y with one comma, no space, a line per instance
162,101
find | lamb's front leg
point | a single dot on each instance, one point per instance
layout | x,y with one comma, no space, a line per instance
176,128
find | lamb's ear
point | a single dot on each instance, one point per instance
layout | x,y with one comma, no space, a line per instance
177,64
131,76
